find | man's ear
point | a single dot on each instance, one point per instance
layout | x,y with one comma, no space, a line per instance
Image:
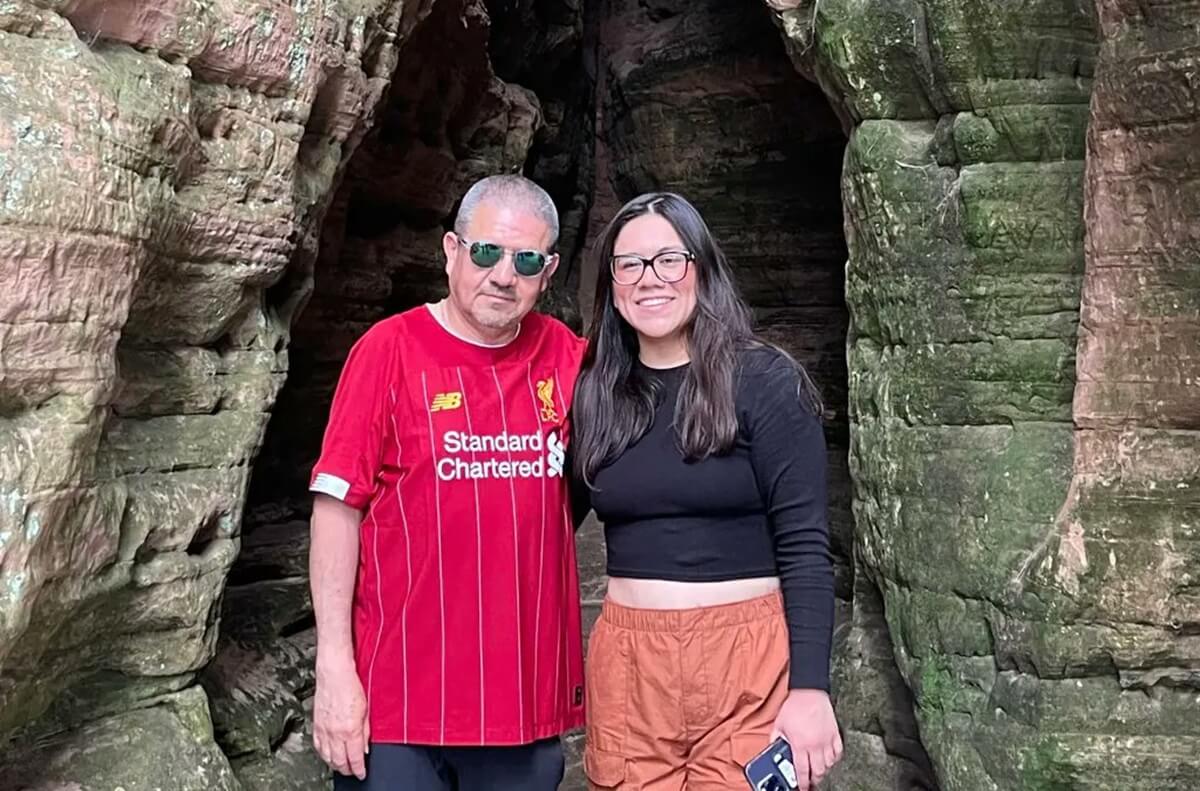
549,272
449,247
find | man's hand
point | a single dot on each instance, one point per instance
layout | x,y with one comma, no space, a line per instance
807,722
341,730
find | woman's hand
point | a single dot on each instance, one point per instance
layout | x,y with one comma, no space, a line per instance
808,724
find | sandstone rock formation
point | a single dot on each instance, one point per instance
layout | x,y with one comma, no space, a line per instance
161,167
1023,466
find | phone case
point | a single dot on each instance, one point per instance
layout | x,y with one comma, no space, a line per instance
772,769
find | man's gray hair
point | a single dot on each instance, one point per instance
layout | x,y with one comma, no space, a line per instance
508,188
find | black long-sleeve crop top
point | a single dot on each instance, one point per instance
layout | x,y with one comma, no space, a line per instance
758,510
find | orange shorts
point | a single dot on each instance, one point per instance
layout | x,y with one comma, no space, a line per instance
682,699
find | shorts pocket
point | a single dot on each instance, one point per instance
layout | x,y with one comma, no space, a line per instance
745,747
603,769
607,689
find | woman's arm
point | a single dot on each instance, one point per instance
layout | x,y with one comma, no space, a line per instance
787,446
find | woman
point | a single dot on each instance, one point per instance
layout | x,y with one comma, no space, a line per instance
703,451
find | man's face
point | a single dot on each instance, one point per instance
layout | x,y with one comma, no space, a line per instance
497,298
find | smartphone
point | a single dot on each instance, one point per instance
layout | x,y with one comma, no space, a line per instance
773,769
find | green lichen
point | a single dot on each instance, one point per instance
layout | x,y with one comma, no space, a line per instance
939,692
1047,767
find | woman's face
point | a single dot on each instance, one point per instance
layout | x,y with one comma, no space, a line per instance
656,308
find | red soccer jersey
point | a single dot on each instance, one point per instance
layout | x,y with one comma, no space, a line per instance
466,607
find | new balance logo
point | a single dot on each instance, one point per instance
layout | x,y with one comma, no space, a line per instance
443,401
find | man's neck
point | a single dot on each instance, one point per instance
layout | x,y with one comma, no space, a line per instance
458,324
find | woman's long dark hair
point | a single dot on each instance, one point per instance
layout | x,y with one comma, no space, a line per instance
614,403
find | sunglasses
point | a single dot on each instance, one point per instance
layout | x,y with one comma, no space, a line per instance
485,255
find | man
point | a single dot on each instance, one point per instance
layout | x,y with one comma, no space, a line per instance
442,563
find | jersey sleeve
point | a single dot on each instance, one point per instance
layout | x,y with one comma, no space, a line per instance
352,445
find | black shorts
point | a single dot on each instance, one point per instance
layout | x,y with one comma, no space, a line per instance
405,767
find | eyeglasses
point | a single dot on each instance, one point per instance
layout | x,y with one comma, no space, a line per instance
485,255
670,266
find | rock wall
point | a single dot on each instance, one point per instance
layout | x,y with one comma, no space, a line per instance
161,167
1123,557
963,192
1029,535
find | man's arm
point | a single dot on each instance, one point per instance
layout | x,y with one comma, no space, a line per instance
341,729
332,565
344,480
